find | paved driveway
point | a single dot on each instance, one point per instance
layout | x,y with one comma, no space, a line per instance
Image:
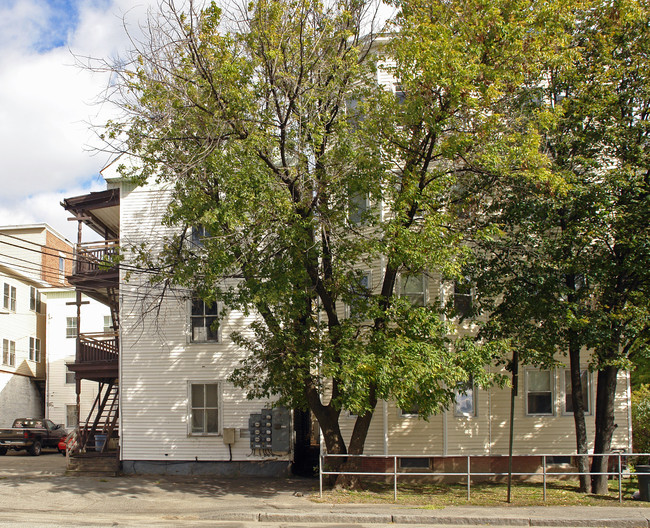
17,463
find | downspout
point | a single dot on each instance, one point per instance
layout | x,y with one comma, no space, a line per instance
385,412
444,432
628,392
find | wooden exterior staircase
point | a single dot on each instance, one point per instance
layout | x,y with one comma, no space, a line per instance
94,449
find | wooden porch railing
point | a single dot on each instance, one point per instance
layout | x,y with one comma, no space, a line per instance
96,256
98,347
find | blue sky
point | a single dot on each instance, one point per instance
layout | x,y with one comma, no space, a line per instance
47,146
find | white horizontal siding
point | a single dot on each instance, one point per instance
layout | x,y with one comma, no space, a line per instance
158,360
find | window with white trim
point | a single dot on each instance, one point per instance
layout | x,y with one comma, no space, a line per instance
462,297
360,291
70,327
34,300
413,288
411,412
585,378
35,349
465,399
204,321
198,235
539,392
358,206
69,376
108,324
61,268
71,416
204,408
9,297
9,352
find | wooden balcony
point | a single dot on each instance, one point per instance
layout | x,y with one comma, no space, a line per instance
97,356
96,264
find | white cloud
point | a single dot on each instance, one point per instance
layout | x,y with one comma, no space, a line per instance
46,103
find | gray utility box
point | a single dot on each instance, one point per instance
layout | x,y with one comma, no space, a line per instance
260,429
281,439
270,430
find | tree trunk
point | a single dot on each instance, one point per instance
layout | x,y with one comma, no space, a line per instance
605,426
579,413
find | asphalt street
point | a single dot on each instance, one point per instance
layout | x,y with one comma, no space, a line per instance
34,491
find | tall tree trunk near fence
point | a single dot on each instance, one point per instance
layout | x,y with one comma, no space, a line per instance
579,414
605,426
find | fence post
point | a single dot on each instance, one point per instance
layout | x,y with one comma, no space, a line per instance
544,471
320,475
469,471
394,478
620,479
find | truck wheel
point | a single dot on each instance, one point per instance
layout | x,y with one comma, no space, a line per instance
35,448
3,451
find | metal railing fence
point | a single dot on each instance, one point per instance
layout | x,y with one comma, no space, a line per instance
620,473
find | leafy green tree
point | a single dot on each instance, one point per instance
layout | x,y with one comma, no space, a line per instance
302,172
567,270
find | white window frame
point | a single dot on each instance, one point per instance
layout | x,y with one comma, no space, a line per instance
108,324
191,317
567,372
409,413
68,424
34,300
9,297
361,207
71,373
403,277
461,393
469,295
68,327
8,352
552,381
35,349
61,267
368,274
218,408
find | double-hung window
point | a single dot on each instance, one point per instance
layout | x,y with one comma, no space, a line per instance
360,292
204,321
69,376
465,399
539,392
358,206
70,327
413,288
61,268
568,391
34,300
462,297
9,297
35,349
204,408
71,416
9,353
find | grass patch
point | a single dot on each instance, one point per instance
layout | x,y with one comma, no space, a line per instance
433,496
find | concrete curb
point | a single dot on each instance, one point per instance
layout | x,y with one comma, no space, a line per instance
405,518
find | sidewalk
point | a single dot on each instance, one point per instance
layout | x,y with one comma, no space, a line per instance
163,499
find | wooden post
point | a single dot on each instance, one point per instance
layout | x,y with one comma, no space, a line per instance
514,369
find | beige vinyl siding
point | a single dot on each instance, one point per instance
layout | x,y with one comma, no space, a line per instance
487,433
158,361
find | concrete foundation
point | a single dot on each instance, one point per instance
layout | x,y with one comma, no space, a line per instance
268,469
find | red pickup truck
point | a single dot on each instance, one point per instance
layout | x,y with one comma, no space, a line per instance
32,434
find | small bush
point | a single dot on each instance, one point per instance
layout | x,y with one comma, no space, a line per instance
641,420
